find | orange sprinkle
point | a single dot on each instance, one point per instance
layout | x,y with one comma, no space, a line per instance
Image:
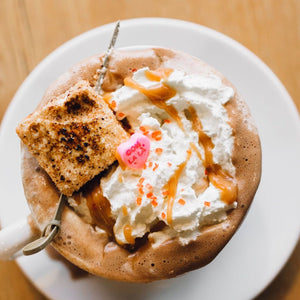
155,167
163,215
156,135
138,200
149,195
141,191
154,203
149,186
121,115
141,180
158,151
145,166
189,151
206,203
165,193
113,104
150,164
181,201
142,128
146,132
125,211
167,121
169,164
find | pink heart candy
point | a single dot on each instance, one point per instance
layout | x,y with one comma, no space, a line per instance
135,151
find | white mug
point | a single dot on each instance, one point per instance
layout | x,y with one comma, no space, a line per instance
14,237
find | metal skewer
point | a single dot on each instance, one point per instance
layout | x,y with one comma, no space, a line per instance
52,229
98,86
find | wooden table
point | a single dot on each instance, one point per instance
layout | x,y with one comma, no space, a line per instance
31,29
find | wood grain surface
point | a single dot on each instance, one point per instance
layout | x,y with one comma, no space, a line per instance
31,29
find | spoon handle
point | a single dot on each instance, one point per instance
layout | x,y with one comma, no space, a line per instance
41,243
57,216
50,231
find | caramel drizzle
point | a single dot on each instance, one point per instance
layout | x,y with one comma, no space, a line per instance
107,97
99,208
157,94
100,211
158,74
216,175
171,186
128,234
194,147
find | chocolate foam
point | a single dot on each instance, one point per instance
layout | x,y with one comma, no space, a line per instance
92,250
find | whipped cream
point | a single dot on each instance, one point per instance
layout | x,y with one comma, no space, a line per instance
138,197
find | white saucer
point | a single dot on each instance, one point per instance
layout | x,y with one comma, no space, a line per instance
270,231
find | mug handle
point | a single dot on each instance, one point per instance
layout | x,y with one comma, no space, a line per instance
14,237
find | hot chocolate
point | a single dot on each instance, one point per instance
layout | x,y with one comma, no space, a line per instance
159,203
